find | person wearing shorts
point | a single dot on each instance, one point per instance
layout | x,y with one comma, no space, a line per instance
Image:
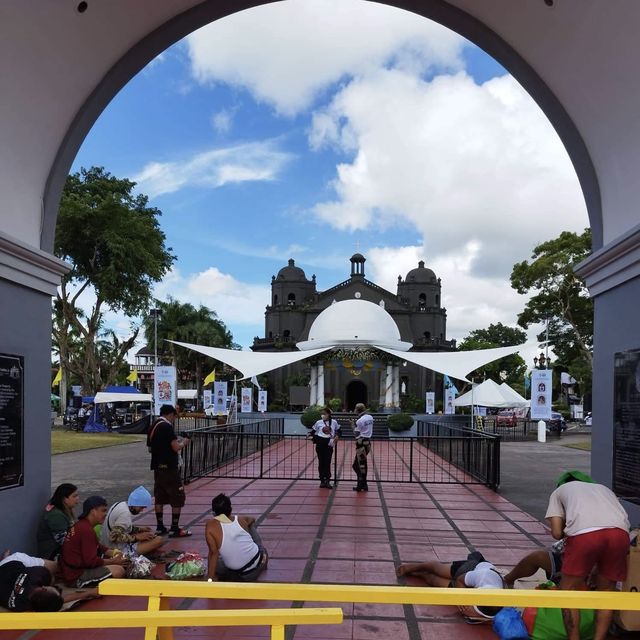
595,527
165,446
473,573
84,562
549,560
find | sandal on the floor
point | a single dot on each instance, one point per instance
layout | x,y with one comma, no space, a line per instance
179,533
162,531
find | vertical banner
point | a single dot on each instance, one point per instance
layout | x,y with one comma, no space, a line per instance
220,397
262,400
164,387
246,399
541,380
449,397
207,399
430,402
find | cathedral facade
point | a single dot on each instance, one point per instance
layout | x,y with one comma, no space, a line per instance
359,374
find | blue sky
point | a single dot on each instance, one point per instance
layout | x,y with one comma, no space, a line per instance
285,132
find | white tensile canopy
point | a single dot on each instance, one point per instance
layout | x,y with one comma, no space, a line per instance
103,397
488,394
187,394
457,364
250,363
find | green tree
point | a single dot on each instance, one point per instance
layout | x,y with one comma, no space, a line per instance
498,335
117,251
560,298
185,323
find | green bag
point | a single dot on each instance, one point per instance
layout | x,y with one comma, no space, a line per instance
547,624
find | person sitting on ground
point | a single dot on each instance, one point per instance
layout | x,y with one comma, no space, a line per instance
236,552
84,562
56,520
473,573
27,584
119,532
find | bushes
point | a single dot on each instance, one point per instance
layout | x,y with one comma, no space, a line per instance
311,415
335,404
399,421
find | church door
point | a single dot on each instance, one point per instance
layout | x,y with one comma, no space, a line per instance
356,392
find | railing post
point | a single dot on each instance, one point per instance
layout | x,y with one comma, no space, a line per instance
261,442
335,463
277,632
411,444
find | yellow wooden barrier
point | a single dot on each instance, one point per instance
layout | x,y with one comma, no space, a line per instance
162,589
151,620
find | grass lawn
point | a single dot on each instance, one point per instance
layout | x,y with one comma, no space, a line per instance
65,441
584,446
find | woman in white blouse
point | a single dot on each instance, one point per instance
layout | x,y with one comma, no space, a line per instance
324,434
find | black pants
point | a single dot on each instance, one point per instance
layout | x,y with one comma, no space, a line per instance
363,446
324,453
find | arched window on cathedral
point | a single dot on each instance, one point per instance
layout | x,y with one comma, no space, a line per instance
275,300
422,301
286,333
427,335
291,300
437,300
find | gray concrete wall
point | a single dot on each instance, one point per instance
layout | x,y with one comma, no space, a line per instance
25,329
616,328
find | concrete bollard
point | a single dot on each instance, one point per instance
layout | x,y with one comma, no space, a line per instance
542,431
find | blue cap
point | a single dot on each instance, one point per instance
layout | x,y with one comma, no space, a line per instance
139,497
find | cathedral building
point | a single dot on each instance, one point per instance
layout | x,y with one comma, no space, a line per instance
357,373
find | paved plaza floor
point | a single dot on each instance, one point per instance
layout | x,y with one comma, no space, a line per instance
339,536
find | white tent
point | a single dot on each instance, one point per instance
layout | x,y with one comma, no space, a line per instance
487,394
187,394
250,363
513,394
103,396
457,364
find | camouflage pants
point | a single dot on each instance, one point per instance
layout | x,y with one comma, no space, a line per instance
363,446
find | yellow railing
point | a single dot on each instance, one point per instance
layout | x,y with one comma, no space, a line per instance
159,592
152,619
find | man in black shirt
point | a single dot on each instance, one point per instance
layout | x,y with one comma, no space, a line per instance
24,588
165,446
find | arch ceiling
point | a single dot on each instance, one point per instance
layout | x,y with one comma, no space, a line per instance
59,68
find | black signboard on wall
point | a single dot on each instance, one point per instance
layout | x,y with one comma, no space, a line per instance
626,426
11,421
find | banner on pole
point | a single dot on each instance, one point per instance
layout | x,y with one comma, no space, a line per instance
164,387
449,397
207,399
220,397
246,399
430,402
262,400
541,380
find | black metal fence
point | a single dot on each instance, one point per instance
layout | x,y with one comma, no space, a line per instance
440,454
475,452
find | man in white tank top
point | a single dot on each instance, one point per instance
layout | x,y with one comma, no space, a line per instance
236,553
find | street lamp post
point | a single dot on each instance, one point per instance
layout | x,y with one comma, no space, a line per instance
155,313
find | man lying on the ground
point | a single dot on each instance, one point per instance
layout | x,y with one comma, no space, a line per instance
84,562
119,532
473,573
26,584
236,552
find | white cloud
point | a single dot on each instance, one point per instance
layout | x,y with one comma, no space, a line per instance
236,303
222,121
250,162
460,162
285,53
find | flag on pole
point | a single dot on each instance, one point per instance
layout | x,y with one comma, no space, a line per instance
58,378
133,376
254,380
449,385
210,378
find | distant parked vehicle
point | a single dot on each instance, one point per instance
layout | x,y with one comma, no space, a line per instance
506,418
557,424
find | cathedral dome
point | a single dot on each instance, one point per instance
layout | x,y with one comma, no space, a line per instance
354,323
421,274
291,272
